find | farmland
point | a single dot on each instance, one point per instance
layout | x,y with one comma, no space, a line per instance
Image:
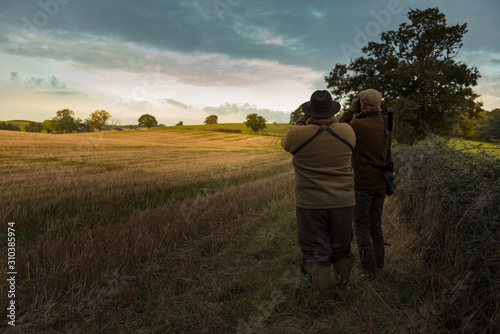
176,230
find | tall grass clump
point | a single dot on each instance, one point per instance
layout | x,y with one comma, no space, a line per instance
446,209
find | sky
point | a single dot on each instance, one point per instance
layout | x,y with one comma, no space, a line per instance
182,60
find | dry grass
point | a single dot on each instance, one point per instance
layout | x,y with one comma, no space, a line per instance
91,209
100,178
185,232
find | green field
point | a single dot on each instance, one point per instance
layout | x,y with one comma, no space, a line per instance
20,124
271,130
476,146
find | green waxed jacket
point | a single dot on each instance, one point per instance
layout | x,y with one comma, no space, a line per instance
370,153
323,172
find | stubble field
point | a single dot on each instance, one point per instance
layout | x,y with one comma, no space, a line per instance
173,231
92,209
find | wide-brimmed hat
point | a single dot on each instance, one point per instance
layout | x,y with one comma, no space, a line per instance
321,105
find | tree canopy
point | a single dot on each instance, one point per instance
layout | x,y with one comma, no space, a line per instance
33,127
98,119
415,70
64,120
147,120
49,125
212,119
255,122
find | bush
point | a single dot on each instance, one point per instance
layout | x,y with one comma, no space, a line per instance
229,130
9,126
448,202
33,127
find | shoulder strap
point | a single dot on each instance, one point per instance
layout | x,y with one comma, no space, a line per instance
322,127
330,131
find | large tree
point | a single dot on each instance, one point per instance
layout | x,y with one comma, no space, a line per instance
415,70
65,121
98,119
255,122
212,119
147,120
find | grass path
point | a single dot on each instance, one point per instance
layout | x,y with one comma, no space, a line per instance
249,282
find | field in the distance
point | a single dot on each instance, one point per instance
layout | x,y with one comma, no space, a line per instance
96,178
476,146
272,129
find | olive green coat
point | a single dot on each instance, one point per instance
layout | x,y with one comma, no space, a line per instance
323,172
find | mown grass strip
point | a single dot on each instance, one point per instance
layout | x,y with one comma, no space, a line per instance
249,282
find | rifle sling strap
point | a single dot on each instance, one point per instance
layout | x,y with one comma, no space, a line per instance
322,127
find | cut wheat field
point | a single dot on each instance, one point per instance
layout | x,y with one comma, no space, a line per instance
172,232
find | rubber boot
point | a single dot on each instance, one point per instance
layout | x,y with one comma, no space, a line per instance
320,276
342,270
367,259
379,252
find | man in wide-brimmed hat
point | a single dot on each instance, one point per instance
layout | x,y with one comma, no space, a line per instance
370,184
324,192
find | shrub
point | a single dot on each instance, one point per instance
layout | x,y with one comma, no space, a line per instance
9,126
229,130
33,127
448,204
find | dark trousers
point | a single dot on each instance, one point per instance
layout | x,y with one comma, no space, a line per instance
324,235
368,217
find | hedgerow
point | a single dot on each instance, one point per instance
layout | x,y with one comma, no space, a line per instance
448,203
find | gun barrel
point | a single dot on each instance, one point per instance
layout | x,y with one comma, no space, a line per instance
390,115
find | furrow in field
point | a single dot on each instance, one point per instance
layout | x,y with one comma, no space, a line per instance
65,271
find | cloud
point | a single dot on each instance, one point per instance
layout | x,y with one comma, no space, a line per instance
93,34
238,30
294,33
54,82
14,76
242,110
60,92
92,53
34,81
178,104
50,82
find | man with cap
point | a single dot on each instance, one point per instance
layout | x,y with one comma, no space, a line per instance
322,150
370,185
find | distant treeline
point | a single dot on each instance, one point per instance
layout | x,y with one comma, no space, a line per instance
9,126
